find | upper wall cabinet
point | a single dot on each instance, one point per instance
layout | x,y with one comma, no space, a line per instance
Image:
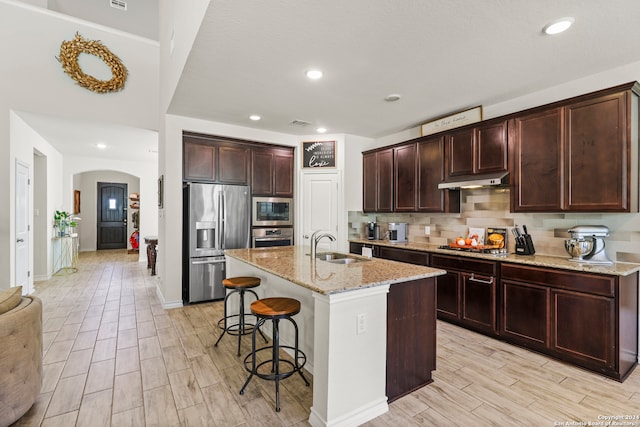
478,150
272,172
209,159
431,172
404,177
377,181
581,156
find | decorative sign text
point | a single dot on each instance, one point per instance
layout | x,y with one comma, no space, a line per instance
473,115
319,154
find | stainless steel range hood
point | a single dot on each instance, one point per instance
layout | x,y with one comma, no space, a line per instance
476,181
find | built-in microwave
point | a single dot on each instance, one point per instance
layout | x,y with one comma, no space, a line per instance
272,211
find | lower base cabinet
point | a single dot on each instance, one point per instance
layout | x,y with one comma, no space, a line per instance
589,320
467,293
586,319
411,336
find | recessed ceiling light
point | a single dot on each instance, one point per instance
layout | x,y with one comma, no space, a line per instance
392,98
559,25
321,130
255,117
314,74
101,146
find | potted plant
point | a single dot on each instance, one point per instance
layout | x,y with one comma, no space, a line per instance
62,220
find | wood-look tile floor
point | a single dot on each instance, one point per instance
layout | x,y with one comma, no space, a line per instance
114,356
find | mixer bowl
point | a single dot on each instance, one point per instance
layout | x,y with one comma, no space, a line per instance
578,248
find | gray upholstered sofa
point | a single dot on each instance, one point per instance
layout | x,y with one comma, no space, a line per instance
20,353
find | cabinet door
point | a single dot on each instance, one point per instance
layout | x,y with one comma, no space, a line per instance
491,148
597,156
525,314
448,296
537,164
405,158
262,173
369,182
460,150
403,255
283,174
200,161
384,187
583,328
430,173
234,165
479,302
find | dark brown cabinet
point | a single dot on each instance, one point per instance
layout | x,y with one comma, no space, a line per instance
377,182
478,150
537,146
431,172
404,179
466,295
576,155
525,310
597,151
210,159
200,161
411,336
403,255
272,172
233,165
590,320
356,248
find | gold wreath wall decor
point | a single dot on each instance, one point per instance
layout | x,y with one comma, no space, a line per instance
69,52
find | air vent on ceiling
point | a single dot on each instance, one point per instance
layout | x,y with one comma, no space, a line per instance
118,4
300,123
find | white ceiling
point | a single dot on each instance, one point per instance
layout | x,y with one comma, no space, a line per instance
250,57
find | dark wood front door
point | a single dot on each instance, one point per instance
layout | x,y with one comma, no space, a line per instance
112,216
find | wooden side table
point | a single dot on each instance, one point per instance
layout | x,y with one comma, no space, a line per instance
152,251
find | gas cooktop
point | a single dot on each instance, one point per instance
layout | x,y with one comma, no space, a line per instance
483,250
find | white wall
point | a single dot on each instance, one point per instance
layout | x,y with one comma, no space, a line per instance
33,81
87,183
147,172
24,141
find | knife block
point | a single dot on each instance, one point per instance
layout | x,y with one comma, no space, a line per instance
524,245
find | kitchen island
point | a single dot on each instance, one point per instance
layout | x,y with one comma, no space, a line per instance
367,327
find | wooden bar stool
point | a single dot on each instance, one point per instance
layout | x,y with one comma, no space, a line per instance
274,309
238,285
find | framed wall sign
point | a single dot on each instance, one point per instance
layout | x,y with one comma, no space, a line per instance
319,154
473,115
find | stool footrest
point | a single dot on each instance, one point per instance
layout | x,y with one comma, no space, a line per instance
296,366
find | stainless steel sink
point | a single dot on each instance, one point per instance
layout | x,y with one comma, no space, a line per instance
338,258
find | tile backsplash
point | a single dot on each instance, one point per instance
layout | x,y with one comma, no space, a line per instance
489,207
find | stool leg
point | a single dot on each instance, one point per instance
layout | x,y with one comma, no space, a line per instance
295,326
253,355
224,331
276,360
241,319
257,297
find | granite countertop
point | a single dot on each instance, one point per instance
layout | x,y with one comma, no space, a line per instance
293,264
615,269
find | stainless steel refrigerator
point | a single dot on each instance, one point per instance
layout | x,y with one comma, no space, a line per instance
218,218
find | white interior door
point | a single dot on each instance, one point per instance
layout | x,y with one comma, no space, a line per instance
320,207
22,227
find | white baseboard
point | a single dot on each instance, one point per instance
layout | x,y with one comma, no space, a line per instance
354,418
167,304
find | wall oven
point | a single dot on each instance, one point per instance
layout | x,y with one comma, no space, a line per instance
272,212
266,237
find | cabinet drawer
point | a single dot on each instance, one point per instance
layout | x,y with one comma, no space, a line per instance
403,255
487,268
574,281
